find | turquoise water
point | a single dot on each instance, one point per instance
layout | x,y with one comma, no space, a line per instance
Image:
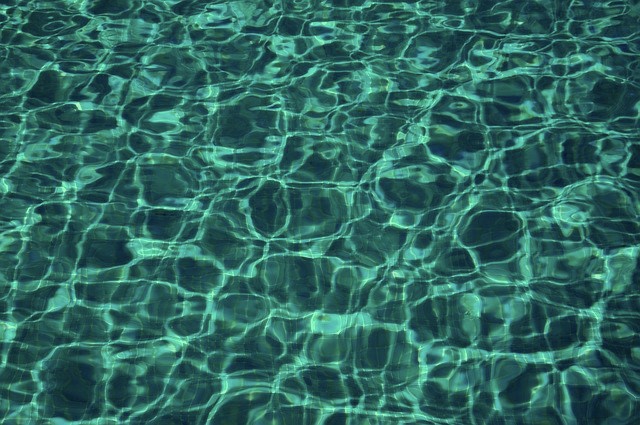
316,212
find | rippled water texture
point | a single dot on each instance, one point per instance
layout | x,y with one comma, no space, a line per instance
319,212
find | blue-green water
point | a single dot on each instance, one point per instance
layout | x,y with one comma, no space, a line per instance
317,212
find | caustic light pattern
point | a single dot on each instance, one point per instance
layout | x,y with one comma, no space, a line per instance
311,212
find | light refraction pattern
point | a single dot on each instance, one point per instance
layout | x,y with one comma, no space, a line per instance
319,212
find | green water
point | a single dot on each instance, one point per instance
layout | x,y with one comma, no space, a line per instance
319,212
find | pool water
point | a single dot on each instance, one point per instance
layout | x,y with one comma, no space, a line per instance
319,212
